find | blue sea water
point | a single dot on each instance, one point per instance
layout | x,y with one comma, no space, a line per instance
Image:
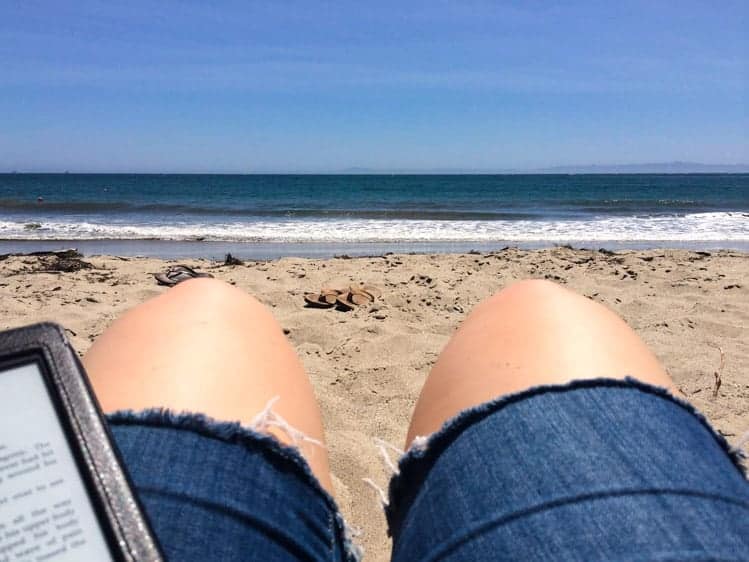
358,211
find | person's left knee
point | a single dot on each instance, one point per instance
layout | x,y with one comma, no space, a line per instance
215,294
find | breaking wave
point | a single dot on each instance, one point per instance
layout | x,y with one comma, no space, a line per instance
712,226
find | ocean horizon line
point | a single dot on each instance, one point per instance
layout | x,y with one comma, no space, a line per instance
654,168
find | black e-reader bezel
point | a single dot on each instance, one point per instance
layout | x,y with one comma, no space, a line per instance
121,518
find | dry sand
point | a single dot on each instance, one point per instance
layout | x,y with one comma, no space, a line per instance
368,365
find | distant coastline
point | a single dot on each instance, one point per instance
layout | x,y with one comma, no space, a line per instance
589,169
584,169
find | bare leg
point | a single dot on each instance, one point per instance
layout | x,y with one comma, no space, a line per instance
207,347
532,333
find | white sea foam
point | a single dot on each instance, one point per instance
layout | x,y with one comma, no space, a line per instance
719,226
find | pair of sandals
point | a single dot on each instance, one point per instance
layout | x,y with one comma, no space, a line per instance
342,299
178,273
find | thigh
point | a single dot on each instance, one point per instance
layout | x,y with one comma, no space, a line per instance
592,470
216,491
205,346
529,334
552,435
187,379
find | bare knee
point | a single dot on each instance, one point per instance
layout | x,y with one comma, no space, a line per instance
206,291
202,287
533,289
528,294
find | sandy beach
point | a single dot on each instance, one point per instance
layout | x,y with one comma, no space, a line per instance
368,365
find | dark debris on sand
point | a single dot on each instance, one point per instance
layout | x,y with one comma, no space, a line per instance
56,264
60,261
231,260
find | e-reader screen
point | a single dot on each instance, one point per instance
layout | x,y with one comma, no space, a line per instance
45,510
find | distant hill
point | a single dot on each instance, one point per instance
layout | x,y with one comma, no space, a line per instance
652,168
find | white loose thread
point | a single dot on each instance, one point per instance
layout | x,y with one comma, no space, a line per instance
267,418
383,497
419,442
382,448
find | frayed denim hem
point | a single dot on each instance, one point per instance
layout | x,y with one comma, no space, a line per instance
235,433
415,464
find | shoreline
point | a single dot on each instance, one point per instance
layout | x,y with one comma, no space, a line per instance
367,366
217,250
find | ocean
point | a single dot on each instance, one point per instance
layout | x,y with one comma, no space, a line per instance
265,216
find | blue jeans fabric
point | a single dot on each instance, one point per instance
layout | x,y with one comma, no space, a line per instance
593,470
217,491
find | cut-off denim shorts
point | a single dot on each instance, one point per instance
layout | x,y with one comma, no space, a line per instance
592,470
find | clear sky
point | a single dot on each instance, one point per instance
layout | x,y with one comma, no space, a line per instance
309,86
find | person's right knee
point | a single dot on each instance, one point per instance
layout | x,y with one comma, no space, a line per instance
532,290
526,295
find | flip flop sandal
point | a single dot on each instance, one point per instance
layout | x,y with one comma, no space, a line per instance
330,296
190,271
317,301
343,302
178,273
370,290
360,297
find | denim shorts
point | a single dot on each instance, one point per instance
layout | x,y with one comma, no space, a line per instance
592,470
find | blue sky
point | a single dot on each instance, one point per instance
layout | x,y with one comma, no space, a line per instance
310,86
